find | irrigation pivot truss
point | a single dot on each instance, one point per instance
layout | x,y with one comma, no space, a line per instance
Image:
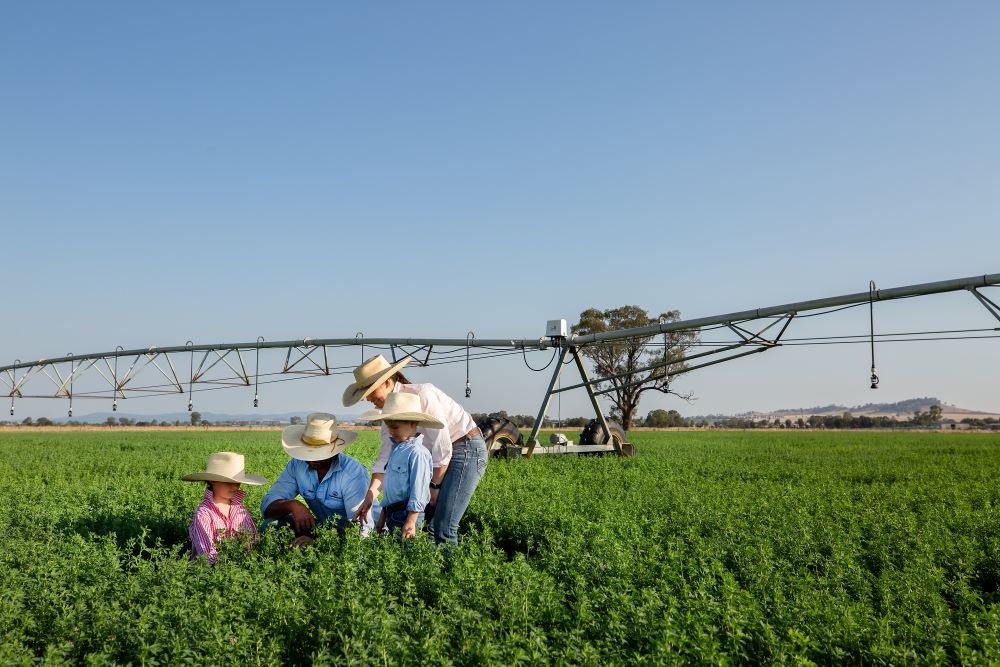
192,368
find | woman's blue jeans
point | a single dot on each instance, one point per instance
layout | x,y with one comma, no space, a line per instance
466,468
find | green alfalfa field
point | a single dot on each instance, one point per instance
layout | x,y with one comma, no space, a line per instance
707,547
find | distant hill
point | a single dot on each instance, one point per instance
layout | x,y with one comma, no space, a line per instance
898,410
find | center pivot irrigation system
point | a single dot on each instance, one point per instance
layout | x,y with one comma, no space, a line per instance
122,374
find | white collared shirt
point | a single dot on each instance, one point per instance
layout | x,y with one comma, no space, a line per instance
457,423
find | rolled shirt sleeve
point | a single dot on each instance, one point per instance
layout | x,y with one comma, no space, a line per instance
420,480
284,488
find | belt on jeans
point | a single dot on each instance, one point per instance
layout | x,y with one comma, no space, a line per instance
471,434
394,507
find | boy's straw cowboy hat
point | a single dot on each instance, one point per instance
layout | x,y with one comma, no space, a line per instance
369,375
225,467
316,440
403,408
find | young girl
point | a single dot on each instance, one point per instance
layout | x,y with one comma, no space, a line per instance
406,487
221,513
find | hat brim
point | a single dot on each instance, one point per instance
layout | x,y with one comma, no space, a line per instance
425,420
358,390
291,442
253,480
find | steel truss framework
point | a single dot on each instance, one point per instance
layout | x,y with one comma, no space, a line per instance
153,371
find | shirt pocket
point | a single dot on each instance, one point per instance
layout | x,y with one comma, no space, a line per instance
397,468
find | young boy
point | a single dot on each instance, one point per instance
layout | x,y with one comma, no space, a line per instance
221,513
406,488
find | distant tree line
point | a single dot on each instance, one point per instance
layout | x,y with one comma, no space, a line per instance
110,421
654,419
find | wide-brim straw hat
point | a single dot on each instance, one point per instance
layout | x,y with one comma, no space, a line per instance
316,440
225,467
402,407
369,375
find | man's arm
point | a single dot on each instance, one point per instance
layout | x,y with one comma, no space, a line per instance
280,501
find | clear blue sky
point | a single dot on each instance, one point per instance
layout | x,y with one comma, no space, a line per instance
220,171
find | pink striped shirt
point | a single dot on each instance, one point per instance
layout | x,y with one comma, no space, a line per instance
209,525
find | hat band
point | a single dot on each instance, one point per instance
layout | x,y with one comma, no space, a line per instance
318,442
371,378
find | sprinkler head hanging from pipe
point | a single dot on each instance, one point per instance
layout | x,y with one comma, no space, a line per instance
874,379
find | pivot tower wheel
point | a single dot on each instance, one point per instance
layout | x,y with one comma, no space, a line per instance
503,439
593,435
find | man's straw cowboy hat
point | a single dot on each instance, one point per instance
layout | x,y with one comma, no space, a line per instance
225,467
370,375
316,440
403,408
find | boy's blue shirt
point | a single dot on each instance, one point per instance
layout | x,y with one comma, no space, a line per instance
408,474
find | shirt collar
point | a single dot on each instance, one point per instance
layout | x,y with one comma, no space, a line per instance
337,466
415,440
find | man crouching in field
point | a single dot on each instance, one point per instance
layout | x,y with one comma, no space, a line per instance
333,484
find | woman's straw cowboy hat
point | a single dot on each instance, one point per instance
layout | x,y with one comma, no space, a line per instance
403,408
369,375
316,440
225,467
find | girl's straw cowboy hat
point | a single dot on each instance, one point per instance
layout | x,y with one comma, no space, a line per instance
225,467
403,408
369,375
316,440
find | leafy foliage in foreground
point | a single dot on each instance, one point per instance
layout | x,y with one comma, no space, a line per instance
707,547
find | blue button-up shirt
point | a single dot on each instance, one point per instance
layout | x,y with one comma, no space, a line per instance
334,499
408,474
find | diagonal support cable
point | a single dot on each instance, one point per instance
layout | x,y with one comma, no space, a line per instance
988,304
